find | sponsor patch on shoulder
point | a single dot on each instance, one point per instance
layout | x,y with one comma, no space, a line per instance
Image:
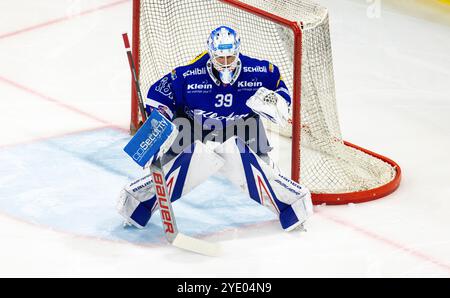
270,67
173,74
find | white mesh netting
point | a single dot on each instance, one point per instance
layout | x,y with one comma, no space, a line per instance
173,32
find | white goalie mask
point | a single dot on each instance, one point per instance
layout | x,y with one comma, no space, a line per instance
223,49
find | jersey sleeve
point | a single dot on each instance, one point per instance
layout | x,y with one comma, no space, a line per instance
279,86
161,96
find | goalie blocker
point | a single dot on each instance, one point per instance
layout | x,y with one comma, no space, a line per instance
236,161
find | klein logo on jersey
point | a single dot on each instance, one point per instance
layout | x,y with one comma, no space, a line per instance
195,72
212,115
246,84
255,69
199,86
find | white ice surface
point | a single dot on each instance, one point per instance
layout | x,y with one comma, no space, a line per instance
64,111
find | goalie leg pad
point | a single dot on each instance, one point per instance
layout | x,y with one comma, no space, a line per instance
137,200
294,215
291,201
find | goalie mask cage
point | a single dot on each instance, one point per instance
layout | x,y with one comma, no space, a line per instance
294,35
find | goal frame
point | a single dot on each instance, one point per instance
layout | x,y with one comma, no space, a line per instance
296,28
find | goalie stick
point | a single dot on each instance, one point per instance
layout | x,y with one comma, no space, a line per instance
170,228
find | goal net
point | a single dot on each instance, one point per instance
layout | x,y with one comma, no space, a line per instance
294,35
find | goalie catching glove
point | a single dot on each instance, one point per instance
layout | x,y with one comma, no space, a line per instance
270,105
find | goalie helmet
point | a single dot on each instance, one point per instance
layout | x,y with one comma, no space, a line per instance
223,49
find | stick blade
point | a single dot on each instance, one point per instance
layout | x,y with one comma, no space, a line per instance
196,245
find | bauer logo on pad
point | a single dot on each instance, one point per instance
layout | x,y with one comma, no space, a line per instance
149,138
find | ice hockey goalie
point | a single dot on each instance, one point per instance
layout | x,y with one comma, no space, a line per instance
216,102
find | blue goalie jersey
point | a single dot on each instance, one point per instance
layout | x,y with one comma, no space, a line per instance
194,91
